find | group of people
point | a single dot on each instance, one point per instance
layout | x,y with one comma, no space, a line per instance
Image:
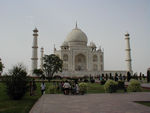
66,87
33,87
70,89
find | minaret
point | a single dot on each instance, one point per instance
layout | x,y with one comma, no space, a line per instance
54,48
42,55
128,53
35,50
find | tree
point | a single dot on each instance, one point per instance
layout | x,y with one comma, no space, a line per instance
106,76
1,67
110,76
120,76
37,72
52,64
128,76
140,77
148,76
116,77
16,82
135,76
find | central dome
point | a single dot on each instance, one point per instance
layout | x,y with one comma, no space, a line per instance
77,37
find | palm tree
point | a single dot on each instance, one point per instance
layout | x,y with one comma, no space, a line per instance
17,82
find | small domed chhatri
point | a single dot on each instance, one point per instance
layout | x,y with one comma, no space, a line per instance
92,44
64,44
35,30
127,34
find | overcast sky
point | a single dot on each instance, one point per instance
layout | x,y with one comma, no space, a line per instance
103,21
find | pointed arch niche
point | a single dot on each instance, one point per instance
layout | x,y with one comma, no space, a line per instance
80,62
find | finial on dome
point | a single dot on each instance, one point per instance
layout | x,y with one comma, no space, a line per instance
76,25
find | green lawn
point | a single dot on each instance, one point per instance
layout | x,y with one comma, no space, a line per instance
91,89
17,106
147,103
95,88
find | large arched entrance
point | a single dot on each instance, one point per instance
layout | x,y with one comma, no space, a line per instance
80,62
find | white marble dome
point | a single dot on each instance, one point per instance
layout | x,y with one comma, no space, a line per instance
77,37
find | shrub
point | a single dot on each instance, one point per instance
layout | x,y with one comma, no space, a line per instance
148,76
121,85
128,76
17,82
86,80
134,86
110,86
92,81
83,87
102,82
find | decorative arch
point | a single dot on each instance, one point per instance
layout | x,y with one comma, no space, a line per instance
101,58
95,68
65,57
80,62
95,58
58,55
102,67
65,66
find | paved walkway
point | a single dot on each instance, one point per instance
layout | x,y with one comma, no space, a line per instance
92,103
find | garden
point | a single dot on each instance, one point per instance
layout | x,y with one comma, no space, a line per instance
19,92
8,105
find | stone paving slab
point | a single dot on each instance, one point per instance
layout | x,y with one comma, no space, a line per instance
92,103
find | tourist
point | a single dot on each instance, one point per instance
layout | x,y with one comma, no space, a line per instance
101,78
33,86
43,86
66,87
77,88
73,89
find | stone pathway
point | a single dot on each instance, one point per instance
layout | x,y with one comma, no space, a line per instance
92,103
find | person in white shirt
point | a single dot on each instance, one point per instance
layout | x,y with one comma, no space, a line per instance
77,88
66,87
43,86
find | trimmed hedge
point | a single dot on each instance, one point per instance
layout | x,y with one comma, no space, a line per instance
121,85
83,87
134,86
110,86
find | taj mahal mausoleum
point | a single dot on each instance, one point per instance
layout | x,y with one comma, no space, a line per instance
80,58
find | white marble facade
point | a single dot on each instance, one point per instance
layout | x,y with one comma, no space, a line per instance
80,59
